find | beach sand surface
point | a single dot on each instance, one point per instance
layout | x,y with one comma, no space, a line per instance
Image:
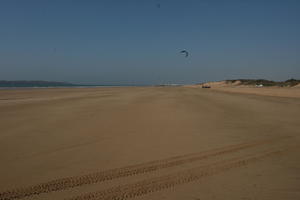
149,143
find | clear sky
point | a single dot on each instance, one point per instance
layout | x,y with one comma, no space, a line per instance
139,41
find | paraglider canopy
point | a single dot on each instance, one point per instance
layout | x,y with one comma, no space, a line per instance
186,54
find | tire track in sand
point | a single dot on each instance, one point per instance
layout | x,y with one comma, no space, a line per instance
76,181
171,180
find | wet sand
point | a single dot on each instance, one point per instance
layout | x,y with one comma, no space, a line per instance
148,143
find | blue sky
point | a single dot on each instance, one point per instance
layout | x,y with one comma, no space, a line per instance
138,42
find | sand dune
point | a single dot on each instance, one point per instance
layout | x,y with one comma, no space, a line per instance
148,143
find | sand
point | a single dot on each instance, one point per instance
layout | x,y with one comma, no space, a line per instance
148,143
237,87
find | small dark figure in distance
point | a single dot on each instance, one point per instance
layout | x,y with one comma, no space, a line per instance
205,86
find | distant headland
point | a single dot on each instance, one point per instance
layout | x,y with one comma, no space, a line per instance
43,84
35,84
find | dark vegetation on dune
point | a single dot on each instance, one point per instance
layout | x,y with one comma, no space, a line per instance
287,83
34,84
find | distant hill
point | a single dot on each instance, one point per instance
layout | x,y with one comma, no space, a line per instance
287,83
34,84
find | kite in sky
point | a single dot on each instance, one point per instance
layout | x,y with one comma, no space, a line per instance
185,53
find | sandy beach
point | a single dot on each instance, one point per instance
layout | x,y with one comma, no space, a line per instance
149,143
292,92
